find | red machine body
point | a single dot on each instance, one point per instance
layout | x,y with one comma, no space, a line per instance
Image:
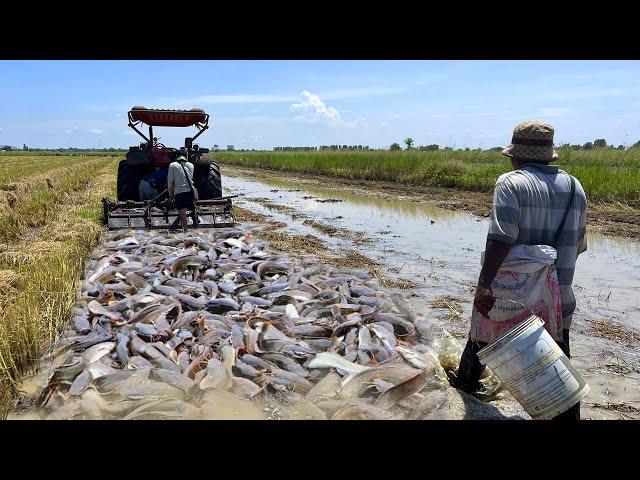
162,156
168,118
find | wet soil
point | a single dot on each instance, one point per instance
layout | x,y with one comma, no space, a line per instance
432,255
615,219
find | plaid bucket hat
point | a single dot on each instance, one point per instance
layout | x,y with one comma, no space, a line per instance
532,140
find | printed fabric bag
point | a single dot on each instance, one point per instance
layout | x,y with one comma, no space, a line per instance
527,276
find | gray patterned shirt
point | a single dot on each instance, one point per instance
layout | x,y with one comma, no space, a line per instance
177,181
528,206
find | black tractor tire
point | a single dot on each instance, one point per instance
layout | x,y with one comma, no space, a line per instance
208,181
129,178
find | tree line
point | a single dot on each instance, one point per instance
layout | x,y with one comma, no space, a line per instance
408,142
322,147
25,148
598,143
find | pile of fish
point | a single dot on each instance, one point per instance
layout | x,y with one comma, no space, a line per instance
210,324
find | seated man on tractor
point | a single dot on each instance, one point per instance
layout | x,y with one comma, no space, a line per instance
153,183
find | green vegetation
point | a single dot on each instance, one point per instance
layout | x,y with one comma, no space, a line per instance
606,174
14,168
47,231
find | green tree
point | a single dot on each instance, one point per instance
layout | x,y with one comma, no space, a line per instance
24,147
409,143
432,147
588,146
600,143
230,148
395,146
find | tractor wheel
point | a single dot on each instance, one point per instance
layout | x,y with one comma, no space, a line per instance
208,181
216,180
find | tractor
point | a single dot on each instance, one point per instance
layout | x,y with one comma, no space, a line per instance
211,210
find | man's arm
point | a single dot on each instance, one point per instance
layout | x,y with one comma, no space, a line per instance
503,232
494,255
582,231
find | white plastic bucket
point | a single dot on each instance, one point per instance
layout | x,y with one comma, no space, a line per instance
531,365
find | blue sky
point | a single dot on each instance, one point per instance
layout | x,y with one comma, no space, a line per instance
262,104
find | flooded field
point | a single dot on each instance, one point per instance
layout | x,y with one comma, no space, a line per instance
439,252
431,257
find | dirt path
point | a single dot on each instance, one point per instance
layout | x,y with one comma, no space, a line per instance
614,219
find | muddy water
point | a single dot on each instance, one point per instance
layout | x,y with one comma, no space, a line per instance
439,250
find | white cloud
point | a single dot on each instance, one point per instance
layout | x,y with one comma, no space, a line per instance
96,131
396,115
313,109
71,130
384,123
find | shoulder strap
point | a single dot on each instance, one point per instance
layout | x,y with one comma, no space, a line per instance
566,212
189,180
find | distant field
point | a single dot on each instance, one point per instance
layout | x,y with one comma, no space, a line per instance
607,175
14,168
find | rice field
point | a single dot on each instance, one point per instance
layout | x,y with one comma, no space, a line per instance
607,175
49,219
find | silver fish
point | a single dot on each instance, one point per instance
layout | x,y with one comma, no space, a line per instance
331,360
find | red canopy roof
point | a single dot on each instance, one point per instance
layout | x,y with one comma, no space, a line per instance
168,118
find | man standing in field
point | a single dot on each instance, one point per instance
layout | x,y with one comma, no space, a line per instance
180,187
530,205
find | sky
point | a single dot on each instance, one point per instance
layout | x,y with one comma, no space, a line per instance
263,104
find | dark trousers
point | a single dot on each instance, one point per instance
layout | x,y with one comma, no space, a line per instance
470,370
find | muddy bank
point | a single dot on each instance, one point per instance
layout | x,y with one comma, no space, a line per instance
613,219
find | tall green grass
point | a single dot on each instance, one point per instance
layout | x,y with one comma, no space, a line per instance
606,174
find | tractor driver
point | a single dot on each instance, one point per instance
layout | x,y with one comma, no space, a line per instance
152,184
